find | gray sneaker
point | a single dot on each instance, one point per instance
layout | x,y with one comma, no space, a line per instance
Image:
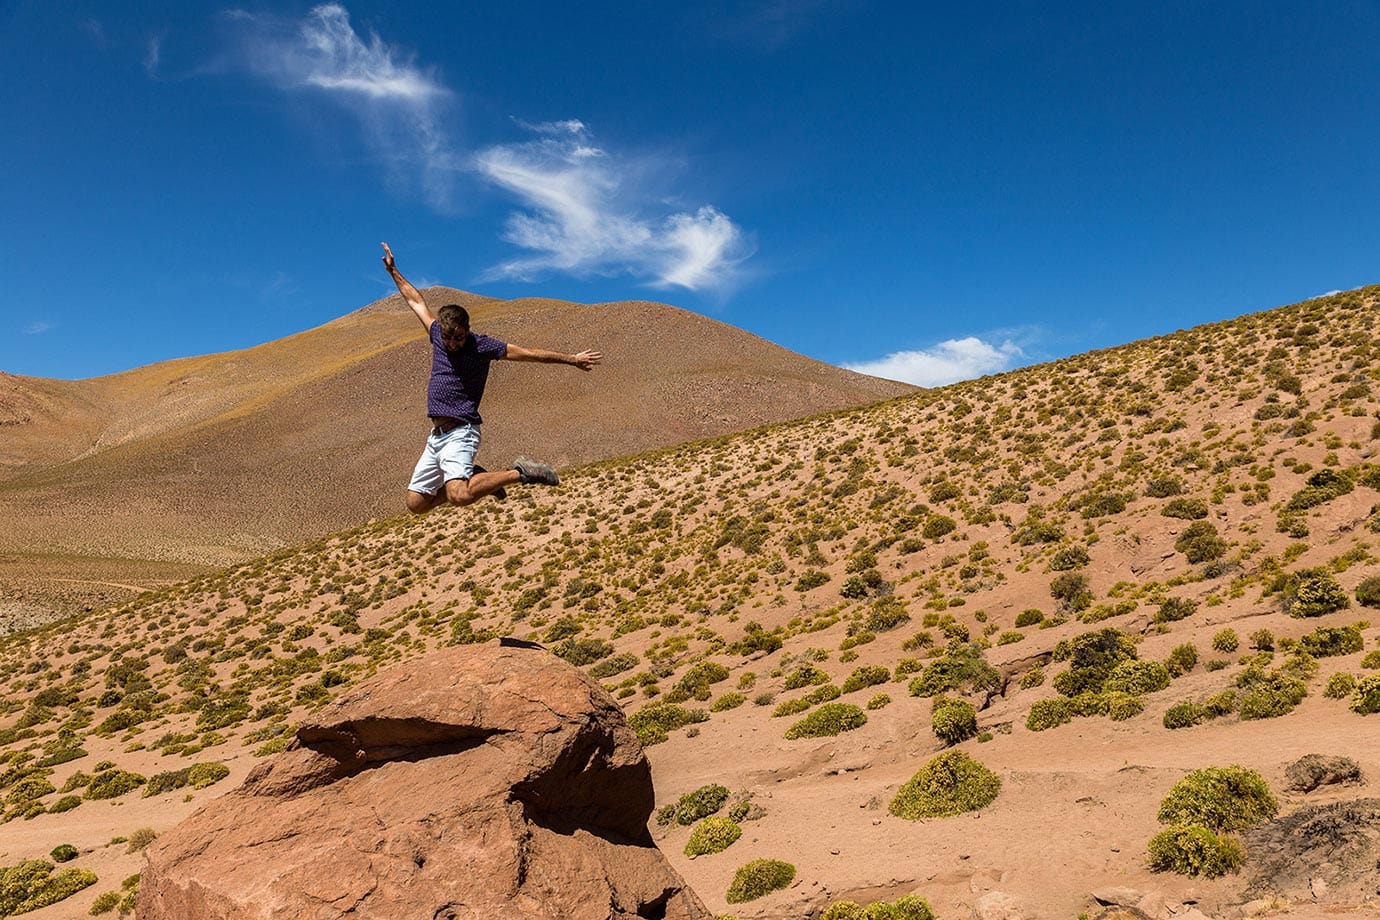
533,472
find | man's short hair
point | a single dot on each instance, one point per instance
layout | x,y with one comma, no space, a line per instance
453,318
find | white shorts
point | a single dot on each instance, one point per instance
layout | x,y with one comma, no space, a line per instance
446,456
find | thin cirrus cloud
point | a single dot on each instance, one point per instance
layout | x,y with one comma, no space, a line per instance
399,106
581,216
945,363
582,213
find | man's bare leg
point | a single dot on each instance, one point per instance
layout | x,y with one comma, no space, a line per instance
421,503
464,492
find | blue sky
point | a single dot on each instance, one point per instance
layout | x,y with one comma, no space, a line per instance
929,191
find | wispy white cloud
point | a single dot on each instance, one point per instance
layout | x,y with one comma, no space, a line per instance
37,327
945,363
584,216
96,30
400,106
153,52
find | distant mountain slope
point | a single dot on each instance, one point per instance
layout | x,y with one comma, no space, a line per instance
215,459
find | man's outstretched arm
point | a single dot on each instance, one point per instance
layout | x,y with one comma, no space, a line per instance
405,288
585,360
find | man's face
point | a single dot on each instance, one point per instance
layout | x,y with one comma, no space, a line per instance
454,340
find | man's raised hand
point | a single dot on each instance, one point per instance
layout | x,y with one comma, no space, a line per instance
587,359
388,262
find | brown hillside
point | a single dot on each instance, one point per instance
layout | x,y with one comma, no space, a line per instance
212,460
1095,578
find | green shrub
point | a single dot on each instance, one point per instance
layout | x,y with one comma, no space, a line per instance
1263,640
829,719
1188,509
1322,486
66,803
823,694
654,721
112,783
949,784
1191,849
953,720
712,835
1366,698
1123,706
906,907
790,707
581,652
1272,695
961,668
1073,556
1174,609
887,613
1137,677
63,852
1327,641
730,700
206,774
1220,704
811,578
1219,798
1035,677
1072,590
1164,487
1184,715
1092,657
1045,714
878,701
1339,686
614,664
694,806
105,902
1182,659
1226,640
806,676
1200,542
1371,661
1368,592
1029,618
937,525
759,877
866,676
697,681
166,781
1316,593
32,884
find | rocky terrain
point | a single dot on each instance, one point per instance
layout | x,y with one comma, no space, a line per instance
1092,638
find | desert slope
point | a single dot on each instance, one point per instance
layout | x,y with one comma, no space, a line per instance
212,460
1201,508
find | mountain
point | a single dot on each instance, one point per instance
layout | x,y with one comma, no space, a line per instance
1127,584
175,467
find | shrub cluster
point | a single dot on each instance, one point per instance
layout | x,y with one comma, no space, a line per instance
693,806
759,877
32,884
906,907
1202,810
712,835
654,721
953,720
829,719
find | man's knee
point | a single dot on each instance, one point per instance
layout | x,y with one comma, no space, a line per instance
419,503
458,492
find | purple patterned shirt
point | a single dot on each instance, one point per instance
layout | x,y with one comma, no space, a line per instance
458,377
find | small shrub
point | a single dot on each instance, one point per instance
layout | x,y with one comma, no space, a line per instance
654,721
1368,592
1174,609
829,719
730,700
806,676
878,701
1035,677
66,803
1029,618
759,877
712,835
1073,556
790,707
105,902
140,838
949,784
866,676
1046,714
1327,641
699,804
1339,686
1184,715
1188,509
1182,659
32,884
1220,798
1226,640
906,907
1271,696
1191,849
112,783
1123,706
1316,594
953,720
1137,677
1365,699
63,852
1072,590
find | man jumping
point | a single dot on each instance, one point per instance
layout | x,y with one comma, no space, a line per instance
460,360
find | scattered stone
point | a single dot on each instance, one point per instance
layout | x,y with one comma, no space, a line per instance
1117,897
478,781
1314,770
1337,844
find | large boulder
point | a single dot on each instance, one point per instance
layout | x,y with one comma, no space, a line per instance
483,781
